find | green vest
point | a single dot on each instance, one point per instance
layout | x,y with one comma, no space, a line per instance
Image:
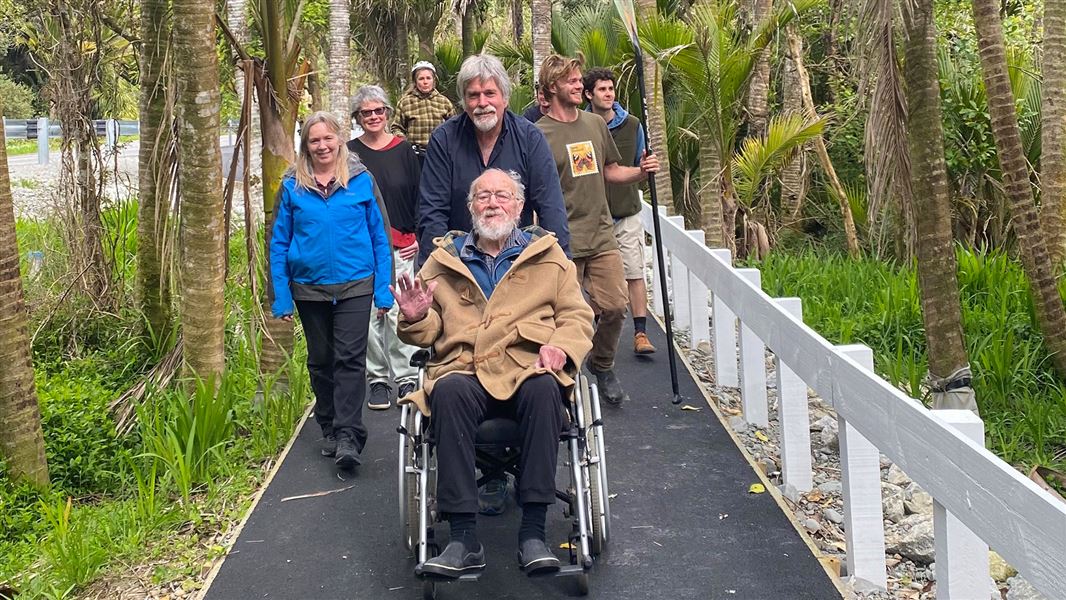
624,200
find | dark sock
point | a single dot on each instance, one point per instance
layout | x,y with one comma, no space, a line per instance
533,516
464,529
640,324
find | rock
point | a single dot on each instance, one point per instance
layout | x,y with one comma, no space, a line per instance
915,540
768,465
884,461
823,423
917,501
833,515
892,502
830,438
998,568
1021,590
896,476
738,424
830,487
812,525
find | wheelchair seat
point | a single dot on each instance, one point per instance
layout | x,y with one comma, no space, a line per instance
500,431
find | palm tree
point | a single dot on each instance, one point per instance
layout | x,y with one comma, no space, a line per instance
1053,144
758,91
156,153
1032,249
203,234
794,175
22,445
340,43
715,68
656,125
941,307
541,24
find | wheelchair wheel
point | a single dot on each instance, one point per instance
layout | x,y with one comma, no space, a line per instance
409,481
597,469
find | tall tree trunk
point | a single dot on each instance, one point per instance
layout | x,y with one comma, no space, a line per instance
710,192
759,86
653,91
1053,131
794,175
153,177
203,235
340,52
403,50
540,24
469,26
22,442
941,307
314,89
1031,246
820,150
517,21
237,18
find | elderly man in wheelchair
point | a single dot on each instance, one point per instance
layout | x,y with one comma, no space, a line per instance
509,329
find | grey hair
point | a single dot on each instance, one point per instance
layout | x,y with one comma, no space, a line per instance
483,67
369,93
519,188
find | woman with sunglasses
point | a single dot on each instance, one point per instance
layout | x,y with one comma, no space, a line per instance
395,167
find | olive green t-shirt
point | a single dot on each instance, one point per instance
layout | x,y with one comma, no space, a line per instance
581,149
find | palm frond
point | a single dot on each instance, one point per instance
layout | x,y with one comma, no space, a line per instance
759,157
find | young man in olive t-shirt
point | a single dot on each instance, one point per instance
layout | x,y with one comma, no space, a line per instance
587,159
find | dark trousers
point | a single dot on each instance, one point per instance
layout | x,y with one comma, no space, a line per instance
336,360
459,404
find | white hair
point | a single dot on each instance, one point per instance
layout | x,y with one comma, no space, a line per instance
483,67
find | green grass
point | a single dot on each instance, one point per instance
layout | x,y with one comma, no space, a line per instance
162,493
1022,402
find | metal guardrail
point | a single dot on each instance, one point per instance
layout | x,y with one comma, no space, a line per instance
979,500
28,129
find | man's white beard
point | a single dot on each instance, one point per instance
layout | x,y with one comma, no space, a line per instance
496,232
486,122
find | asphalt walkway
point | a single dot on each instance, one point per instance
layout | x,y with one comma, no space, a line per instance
683,523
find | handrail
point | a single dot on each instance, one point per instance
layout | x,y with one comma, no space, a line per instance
1022,522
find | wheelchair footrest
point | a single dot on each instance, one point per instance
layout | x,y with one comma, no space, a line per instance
569,571
440,579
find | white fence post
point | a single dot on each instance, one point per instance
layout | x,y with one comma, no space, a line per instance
860,480
725,336
42,141
753,366
961,556
701,324
796,471
679,288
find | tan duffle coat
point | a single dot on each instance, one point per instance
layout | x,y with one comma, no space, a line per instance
498,339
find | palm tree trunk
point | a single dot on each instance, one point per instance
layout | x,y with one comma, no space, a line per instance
710,193
794,175
941,307
469,25
340,53
153,276
759,87
820,149
541,25
653,91
1031,247
403,51
1053,131
517,21
22,442
203,235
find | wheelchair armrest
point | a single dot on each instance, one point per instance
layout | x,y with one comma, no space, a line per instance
420,358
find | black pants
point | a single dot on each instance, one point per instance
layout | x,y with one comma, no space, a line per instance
459,404
336,360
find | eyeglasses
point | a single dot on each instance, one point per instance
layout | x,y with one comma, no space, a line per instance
373,111
484,196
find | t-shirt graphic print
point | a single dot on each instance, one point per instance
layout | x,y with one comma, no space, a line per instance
582,159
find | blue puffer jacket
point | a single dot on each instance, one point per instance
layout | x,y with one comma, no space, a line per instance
323,241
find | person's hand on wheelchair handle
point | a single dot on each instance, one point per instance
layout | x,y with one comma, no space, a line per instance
412,298
551,358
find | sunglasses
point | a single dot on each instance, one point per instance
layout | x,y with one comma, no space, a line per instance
373,111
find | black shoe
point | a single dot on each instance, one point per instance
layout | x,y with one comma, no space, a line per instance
492,497
535,558
347,455
609,387
329,445
379,396
405,390
455,561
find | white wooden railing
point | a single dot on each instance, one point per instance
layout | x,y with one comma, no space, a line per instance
979,500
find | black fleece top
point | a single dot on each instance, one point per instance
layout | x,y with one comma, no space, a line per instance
396,170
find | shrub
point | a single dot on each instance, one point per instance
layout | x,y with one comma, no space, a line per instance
17,99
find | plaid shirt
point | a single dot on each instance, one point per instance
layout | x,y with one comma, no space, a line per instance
417,115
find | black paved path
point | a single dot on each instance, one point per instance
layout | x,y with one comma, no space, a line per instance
684,525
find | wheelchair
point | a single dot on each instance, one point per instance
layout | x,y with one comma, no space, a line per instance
585,502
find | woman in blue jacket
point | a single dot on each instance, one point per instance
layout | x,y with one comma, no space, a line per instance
330,255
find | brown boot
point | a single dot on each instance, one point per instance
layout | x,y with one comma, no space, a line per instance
642,345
